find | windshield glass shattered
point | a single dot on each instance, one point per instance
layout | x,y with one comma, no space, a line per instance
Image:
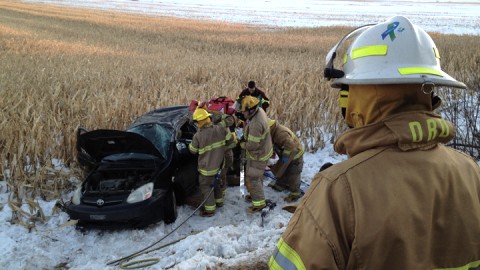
159,136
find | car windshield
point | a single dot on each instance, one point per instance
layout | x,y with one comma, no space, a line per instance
157,134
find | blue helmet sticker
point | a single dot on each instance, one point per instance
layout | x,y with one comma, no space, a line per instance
390,31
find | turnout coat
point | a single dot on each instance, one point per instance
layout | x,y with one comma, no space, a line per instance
210,143
403,200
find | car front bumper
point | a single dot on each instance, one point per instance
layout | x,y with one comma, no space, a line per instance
148,211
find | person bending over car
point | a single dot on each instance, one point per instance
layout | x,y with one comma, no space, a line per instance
210,143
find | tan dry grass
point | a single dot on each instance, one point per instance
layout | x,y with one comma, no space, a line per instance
64,68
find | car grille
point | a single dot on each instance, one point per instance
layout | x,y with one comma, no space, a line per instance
101,202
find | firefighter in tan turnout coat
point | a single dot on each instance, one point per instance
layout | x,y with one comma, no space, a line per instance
210,143
403,200
289,166
258,147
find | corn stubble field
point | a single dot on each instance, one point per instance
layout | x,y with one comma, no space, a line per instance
66,68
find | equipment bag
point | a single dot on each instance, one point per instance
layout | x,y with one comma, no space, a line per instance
221,104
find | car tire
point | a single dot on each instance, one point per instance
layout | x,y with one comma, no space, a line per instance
170,208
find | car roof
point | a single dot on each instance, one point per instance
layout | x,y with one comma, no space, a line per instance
173,116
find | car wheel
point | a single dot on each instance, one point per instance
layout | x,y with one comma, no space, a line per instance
170,208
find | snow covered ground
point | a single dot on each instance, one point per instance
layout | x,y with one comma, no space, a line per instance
232,236
444,16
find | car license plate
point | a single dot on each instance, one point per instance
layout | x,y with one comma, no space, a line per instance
98,217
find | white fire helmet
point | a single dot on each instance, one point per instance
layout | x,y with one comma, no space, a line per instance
393,52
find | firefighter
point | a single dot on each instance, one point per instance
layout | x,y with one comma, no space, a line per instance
226,121
223,118
258,149
289,166
403,199
210,143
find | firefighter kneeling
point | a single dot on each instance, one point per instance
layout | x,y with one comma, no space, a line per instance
289,166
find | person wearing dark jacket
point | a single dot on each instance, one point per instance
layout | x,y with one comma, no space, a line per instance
253,91
403,199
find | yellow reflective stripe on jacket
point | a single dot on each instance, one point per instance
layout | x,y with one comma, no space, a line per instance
192,148
299,153
258,139
231,146
374,50
419,70
211,147
264,158
234,141
472,265
302,150
284,257
208,173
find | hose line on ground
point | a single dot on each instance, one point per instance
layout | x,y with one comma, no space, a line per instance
145,250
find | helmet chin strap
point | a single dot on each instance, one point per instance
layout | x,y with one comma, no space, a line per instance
343,99
428,89
436,101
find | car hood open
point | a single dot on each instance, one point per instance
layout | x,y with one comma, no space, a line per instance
104,142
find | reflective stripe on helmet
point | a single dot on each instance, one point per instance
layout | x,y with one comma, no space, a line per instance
435,51
419,70
407,45
374,50
284,257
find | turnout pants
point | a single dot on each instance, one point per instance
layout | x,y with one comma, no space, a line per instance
290,179
206,183
253,181
228,164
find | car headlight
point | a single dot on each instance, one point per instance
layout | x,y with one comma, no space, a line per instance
77,195
140,194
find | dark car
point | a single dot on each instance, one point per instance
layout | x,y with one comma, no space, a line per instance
138,176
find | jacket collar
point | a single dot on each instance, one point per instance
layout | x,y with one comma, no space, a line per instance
407,131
